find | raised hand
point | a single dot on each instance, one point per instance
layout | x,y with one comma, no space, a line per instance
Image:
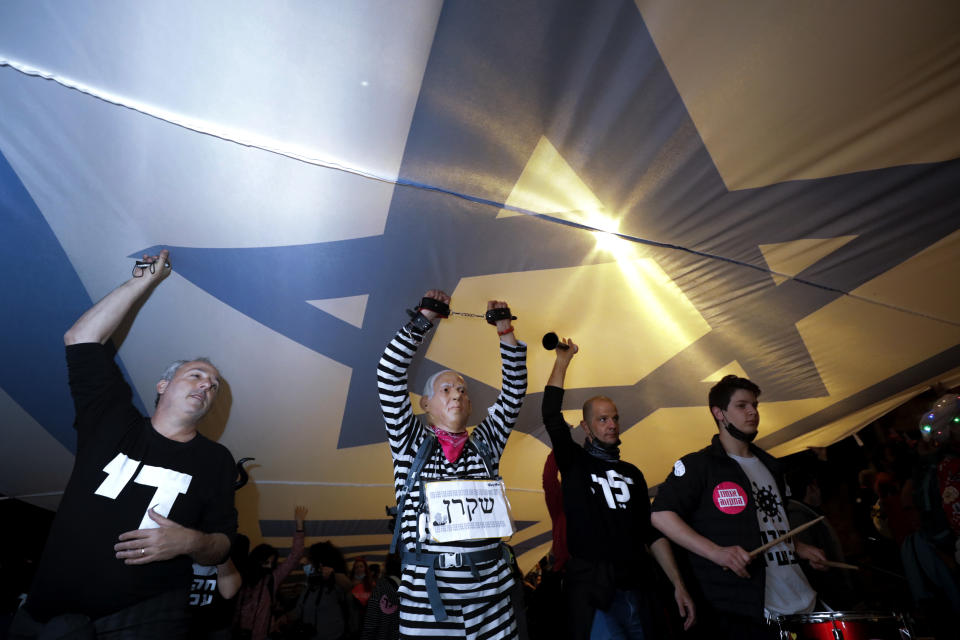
160,270
436,294
501,325
300,515
566,355
505,326
99,322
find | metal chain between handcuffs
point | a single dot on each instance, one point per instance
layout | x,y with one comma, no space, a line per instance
443,309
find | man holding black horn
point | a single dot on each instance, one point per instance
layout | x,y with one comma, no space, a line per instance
724,500
608,585
451,506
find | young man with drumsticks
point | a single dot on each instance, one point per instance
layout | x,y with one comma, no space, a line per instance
721,503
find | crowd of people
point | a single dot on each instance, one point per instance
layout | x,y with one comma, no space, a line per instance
310,595
715,554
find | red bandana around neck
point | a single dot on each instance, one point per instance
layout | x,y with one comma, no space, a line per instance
451,443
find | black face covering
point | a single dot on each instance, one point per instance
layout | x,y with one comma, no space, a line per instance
739,435
601,450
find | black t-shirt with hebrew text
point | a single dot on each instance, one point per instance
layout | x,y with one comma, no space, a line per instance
605,501
122,468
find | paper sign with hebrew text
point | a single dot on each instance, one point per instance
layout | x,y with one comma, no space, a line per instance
468,510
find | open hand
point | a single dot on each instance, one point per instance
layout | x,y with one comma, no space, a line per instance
300,515
167,540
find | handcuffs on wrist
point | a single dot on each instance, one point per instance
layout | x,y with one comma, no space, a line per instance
442,309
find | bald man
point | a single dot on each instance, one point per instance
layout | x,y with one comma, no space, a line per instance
609,580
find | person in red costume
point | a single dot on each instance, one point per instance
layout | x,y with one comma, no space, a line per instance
553,496
363,581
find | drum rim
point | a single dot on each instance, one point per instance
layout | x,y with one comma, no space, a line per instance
852,616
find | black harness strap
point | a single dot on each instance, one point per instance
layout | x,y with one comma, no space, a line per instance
426,450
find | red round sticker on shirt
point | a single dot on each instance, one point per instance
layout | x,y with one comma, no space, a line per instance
730,497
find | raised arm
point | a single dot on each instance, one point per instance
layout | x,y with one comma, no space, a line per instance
563,357
552,404
502,416
99,322
392,383
505,326
292,561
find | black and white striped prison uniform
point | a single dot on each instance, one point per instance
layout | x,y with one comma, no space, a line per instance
476,609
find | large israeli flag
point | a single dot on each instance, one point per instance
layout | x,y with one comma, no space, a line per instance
686,190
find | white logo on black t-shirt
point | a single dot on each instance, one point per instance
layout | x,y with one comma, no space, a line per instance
201,591
169,484
615,488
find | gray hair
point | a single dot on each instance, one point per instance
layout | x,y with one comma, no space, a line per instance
428,385
171,371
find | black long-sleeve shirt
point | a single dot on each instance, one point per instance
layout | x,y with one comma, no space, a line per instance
123,468
606,502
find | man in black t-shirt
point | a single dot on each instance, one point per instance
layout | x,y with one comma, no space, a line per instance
609,576
724,500
146,497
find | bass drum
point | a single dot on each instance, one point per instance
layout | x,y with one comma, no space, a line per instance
844,625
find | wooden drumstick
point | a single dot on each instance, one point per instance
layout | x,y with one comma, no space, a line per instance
786,536
841,565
